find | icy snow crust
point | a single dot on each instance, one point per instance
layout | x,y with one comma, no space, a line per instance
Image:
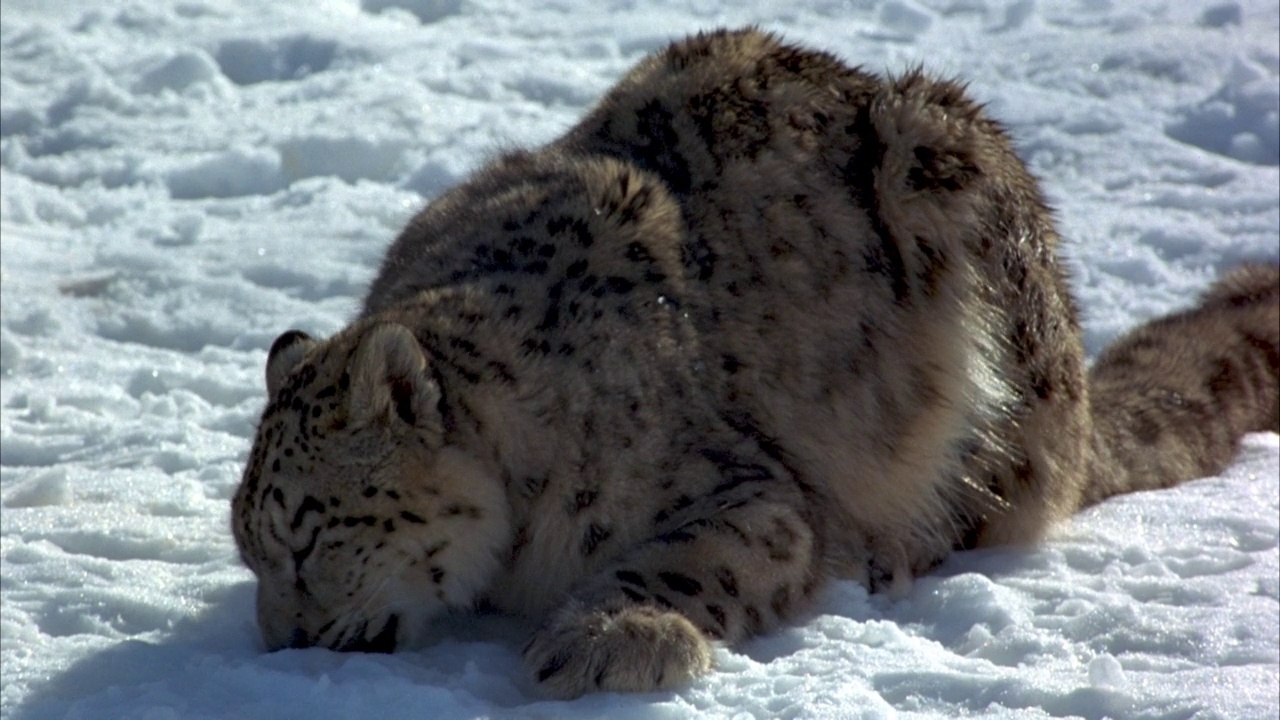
180,182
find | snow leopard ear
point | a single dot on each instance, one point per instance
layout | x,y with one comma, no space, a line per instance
285,354
390,381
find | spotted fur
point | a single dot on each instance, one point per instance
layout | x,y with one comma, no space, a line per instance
759,320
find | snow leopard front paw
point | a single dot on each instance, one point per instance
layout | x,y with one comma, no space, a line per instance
635,648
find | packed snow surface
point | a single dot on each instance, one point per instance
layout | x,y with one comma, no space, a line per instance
182,181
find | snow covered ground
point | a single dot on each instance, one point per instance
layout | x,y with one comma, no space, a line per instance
181,181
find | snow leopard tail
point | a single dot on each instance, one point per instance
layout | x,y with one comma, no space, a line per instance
1171,399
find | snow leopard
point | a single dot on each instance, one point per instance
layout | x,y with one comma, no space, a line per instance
760,321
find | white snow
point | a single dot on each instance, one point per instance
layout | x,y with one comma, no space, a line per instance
182,181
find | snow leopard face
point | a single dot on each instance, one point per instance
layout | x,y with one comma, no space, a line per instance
358,520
